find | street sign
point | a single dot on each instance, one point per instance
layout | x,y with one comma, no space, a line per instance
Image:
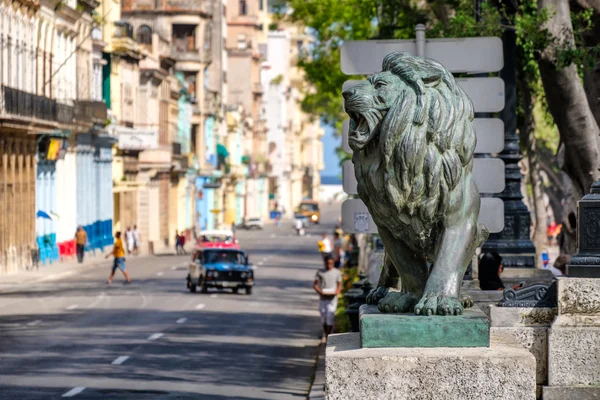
358,57
349,183
488,174
487,94
489,131
356,217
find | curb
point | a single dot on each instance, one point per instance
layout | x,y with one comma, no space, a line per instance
317,386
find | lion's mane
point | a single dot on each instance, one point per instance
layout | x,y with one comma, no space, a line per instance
422,151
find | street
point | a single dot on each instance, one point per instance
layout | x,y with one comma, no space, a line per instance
79,337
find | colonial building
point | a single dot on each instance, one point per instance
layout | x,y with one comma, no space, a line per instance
295,151
178,39
248,182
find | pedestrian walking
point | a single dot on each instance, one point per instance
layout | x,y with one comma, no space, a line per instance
338,250
136,241
325,247
328,284
81,240
182,243
129,240
178,246
119,259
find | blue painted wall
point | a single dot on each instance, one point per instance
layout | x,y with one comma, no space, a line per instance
45,200
94,191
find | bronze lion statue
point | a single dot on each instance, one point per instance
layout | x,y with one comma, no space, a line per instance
413,142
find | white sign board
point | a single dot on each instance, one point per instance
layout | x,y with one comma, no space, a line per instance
487,94
136,138
458,55
489,131
488,174
356,215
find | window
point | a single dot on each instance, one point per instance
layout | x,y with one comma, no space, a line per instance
144,35
184,38
243,7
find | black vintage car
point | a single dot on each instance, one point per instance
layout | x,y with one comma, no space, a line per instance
220,269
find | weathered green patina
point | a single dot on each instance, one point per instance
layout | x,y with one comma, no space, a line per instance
408,330
413,142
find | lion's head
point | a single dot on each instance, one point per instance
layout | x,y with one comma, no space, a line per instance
412,137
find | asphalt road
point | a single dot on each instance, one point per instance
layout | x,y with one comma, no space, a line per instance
78,337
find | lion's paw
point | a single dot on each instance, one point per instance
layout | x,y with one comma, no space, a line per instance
397,302
467,301
376,294
438,304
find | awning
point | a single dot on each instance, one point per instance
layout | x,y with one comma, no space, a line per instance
222,151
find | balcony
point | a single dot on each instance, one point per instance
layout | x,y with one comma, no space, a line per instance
123,43
194,55
23,104
89,111
65,114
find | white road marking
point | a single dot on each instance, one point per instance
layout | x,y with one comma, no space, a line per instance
173,268
160,273
155,336
120,360
273,235
181,320
214,296
34,323
254,268
72,307
75,391
260,263
200,306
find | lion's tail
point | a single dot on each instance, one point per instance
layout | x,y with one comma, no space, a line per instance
482,234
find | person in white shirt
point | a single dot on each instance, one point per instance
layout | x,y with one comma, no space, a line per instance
327,247
136,240
129,240
328,284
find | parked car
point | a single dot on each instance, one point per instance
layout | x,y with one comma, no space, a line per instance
225,268
252,224
218,239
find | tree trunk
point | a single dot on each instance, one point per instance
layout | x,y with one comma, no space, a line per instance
527,137
591,77
571,111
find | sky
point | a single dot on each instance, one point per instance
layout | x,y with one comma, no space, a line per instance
332,163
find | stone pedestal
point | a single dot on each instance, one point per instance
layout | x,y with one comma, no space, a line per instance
574,341
528,327
505,370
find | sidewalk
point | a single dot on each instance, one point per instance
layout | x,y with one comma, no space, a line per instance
50,272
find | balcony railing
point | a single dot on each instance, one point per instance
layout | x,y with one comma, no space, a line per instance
65,114
91,111
194,55
18,102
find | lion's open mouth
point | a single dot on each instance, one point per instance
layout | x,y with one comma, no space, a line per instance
364,126
359,125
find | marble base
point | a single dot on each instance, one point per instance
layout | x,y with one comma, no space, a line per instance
355,373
